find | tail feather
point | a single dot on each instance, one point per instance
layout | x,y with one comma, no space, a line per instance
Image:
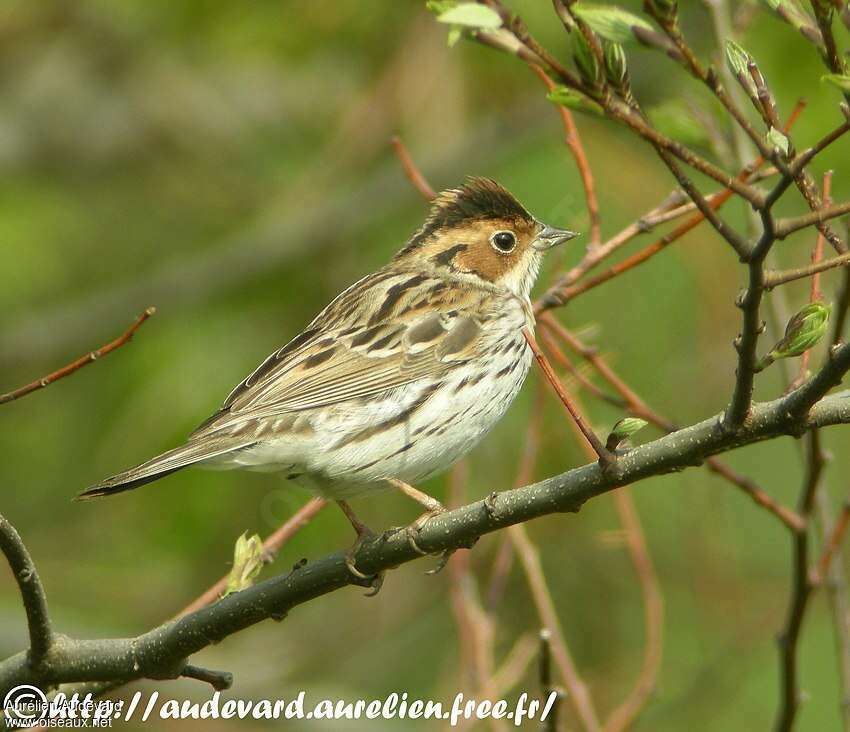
160,466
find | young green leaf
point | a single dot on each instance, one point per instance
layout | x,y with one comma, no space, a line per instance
616,67
736,58
610,22
803,331
571,99
248,558
838,80
585,61
440,6
778,141
675,119
624,429
471,15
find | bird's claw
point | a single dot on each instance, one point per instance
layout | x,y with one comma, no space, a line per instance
375,580
412,532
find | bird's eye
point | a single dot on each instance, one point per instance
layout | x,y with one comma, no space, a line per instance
503,241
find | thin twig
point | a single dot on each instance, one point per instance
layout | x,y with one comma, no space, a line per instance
577,692
219,680
833,543
566,288
547,685
626,713
414,175
80,362
525,473
573,140
786,227
774,279
605,456
639,408
801,591
835,583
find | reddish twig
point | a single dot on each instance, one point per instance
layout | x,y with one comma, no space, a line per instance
271,546
80,362
815,270
639,408
505,555
573,140
602,453
624,715
566,288
414,175
817,254
833,543
577,691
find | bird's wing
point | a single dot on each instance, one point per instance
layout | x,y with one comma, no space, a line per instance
387,330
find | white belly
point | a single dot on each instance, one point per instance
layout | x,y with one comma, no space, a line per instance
411,433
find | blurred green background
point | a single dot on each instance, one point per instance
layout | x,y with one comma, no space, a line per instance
229,163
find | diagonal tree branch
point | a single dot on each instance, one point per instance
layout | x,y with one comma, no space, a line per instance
70,368
163,652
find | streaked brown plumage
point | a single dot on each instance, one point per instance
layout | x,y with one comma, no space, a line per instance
401,374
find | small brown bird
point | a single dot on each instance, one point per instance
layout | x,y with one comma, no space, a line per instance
400,376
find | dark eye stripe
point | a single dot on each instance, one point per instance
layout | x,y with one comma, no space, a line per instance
448,255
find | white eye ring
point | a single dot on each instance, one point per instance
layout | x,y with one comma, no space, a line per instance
503,241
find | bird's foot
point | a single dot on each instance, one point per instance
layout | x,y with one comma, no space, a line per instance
413,530
364,534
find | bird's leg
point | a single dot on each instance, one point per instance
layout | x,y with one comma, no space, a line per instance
364,533
434,508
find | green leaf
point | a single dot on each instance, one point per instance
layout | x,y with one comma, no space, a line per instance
737,58
624,429
674,119
803,331
779,141
471,15
609,21
440,6
616,66
455,34
248,559
571,99
585,60
838,80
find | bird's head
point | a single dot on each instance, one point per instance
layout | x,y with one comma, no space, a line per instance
481,231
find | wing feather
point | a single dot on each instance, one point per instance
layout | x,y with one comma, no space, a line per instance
425,330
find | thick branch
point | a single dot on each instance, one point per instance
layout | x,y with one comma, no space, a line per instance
32,592
162,652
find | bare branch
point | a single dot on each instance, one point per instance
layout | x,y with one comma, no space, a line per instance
573,141
414,175
605,456
161,653
79,363
786,227
32,593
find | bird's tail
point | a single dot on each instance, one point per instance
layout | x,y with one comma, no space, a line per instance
162,465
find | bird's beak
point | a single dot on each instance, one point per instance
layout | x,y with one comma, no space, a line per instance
550,237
